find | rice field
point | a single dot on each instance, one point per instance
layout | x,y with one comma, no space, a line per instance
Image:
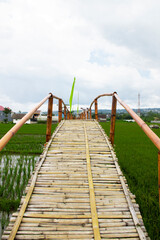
138,158
17,162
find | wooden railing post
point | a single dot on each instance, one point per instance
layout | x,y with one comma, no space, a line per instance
49,119
96,109
87,113
65,115
159,176
90,113
68,115
113,119
60,110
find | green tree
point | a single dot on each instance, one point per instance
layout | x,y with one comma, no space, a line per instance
6,112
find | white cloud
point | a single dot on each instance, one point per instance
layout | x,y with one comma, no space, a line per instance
108,45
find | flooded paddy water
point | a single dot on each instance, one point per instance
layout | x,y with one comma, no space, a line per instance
15,171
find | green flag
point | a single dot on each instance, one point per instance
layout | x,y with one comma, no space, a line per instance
71,96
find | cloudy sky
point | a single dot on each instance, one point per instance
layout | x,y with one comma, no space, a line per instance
108,45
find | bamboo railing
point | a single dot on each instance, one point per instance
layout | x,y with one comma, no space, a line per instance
152,136
67,115
86,114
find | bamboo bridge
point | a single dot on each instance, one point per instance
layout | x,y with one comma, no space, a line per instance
77,190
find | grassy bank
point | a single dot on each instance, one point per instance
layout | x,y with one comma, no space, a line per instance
138,160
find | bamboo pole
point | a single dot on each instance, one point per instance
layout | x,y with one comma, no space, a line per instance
153,137
68,115
49,119
87,113
96,109
102,95
5,139
60,110
90,110
113,119
65,112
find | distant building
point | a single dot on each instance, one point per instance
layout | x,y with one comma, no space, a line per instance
129,120
3,116
102,117
155,121
18,116
36,115
154,126
44,119
1,108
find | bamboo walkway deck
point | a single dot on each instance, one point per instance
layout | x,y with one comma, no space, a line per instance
77,191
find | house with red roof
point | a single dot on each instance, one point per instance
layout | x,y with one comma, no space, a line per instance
1,108
3,116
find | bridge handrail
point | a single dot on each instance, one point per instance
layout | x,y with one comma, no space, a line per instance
151,135
102,95
5,139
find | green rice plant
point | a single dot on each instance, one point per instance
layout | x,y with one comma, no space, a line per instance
15,177
33,163
1,190
29,169
30,129
29,139
137,157
15,172
24,175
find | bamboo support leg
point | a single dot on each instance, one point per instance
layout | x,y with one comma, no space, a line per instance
96,110
68,115
49,119
113,119
65,115
60,110
90,113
